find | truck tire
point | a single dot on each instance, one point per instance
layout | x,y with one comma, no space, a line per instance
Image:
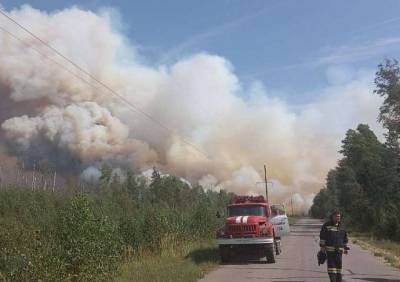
270,253
278,248
225,253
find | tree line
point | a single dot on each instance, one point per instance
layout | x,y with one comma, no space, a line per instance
69,235
364,185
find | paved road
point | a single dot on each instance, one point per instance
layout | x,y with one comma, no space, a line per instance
298,263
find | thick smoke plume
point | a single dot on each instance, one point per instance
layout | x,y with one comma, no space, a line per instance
64,116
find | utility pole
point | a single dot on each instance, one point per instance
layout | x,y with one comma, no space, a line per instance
54,180
291,203
33,177
266,183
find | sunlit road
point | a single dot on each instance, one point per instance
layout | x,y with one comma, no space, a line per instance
298,262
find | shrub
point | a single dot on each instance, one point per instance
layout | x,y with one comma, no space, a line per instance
90,244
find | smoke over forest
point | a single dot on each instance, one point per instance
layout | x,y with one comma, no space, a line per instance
50,110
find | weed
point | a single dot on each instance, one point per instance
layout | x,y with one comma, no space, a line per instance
387,249
190,264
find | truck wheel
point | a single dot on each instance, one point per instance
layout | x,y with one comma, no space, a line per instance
225,253
270,253
278,248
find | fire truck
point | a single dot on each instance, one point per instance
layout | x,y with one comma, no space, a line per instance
248,231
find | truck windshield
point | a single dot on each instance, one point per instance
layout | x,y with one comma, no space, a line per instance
278,210
246,210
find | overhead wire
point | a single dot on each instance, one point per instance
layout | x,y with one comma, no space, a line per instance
128,103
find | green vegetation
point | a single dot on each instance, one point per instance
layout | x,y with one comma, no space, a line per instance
126,222
293,219
365,184
189,263
387,249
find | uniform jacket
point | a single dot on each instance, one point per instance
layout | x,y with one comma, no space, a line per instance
333,237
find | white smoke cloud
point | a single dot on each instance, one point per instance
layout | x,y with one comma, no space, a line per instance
91,174
209,182
86,130
199,98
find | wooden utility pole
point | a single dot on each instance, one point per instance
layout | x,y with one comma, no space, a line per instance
54,180
16,175
291,203
33,177
1,180
266,183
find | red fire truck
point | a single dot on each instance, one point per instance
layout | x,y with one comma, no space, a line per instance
248,231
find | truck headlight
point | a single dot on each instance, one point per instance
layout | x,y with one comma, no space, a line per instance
220,233
264,231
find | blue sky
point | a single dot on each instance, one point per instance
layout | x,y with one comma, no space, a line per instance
288,45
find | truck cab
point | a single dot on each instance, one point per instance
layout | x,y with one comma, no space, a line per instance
280,220
248,230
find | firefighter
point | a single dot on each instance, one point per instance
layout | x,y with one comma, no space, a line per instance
333,241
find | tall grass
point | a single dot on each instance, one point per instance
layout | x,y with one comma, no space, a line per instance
389,250
187,263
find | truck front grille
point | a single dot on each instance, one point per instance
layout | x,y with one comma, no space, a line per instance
249,228
242,229
234,229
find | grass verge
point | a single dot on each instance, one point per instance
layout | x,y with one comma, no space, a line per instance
389,250
189,263
293,219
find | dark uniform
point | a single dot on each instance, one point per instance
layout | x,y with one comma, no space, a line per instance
334,239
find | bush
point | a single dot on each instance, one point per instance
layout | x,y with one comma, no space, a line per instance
90,244
28,251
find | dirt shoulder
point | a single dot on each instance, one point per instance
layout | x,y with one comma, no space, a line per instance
388,250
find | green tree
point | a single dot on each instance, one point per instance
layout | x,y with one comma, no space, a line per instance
364,154
364,185
352,199
90,243
319,208
387,83
132,185
106,175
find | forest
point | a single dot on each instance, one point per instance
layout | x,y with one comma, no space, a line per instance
364,186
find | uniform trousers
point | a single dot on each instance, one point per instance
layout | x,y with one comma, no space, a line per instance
334,262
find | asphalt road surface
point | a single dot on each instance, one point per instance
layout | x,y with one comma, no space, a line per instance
298,262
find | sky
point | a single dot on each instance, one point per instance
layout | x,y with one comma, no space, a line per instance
295,48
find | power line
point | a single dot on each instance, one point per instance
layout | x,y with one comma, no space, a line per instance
45,56
109,89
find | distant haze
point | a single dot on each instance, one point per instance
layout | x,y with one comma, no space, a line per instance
48,113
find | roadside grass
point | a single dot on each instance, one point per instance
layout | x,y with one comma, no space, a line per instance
188,263
388,250
293,219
